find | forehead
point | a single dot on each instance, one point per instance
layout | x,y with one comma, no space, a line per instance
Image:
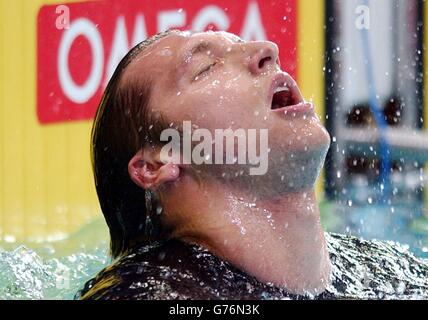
154,62
178,41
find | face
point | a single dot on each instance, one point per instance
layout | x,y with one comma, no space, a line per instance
218,81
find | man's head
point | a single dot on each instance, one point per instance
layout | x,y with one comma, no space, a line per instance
216,81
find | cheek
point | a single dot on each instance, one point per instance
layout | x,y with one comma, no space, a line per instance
216,106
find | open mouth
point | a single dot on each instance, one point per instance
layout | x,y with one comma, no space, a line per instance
284,94
282,98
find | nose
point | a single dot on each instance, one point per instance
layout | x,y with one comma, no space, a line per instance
263,56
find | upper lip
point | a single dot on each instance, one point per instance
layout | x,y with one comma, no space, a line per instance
284,80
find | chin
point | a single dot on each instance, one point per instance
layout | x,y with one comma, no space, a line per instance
315,129
324,136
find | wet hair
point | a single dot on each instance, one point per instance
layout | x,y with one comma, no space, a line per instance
123,125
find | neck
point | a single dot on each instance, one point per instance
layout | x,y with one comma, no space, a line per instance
277,240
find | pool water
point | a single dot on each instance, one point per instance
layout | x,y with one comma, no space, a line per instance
403,223
58,270
53,270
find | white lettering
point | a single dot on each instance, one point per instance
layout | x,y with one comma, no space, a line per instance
80,93
253,26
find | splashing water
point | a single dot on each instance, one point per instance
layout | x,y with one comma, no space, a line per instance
26,275
53,270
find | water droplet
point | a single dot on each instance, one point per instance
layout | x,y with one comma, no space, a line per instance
159,209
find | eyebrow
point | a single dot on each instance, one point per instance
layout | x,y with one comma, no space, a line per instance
196,49
200,47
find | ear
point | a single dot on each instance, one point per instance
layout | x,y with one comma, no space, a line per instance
148,172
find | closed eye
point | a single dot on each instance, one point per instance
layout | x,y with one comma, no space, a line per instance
206,69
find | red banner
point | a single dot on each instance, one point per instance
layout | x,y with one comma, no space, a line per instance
80,44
